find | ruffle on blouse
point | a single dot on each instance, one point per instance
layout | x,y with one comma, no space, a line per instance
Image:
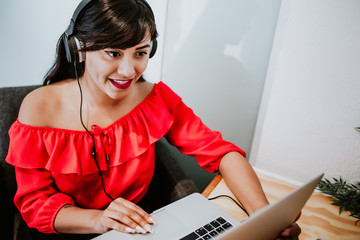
69,151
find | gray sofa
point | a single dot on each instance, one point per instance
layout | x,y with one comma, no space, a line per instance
170,182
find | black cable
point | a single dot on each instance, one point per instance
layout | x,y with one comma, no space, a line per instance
92,137
231,199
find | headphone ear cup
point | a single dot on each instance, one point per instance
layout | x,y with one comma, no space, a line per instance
153,48
72,48
67,49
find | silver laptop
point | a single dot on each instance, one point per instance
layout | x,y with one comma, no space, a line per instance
195,217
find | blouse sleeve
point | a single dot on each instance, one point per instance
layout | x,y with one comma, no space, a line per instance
192,137
36,197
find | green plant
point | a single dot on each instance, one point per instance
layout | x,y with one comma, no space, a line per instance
346,195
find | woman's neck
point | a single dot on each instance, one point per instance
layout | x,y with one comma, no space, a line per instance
100,109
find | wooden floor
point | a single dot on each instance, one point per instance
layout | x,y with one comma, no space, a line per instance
319,219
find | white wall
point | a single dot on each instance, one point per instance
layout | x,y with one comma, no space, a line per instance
216,56
29,33
154,70
311,101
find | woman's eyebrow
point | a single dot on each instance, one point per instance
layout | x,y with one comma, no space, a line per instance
145,46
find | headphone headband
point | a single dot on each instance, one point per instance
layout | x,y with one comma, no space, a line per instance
77,13
72,44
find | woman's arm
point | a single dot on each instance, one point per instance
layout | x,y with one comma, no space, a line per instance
242,181
71,219
120,215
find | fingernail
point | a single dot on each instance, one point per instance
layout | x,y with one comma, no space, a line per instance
129,230
140,229
151,219
148,228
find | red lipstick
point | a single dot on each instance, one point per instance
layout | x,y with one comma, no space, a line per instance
121,84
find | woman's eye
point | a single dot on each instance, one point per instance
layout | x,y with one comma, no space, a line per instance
142,54
113,53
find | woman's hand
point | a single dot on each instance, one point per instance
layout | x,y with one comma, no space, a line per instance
124,216
292,233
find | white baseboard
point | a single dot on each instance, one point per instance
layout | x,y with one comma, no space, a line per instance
277,176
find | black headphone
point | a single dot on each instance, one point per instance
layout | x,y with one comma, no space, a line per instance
73,45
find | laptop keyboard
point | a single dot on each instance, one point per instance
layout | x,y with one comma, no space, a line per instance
210,230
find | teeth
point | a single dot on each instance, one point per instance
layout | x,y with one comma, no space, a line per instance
121,82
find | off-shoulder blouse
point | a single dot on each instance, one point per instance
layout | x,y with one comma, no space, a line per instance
54,167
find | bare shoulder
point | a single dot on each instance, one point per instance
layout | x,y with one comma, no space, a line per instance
40,105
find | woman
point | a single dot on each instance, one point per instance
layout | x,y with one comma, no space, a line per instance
83,144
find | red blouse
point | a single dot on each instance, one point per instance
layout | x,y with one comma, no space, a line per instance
54,166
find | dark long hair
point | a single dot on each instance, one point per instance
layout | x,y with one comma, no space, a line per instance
104,24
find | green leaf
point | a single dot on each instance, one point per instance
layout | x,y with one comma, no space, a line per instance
340,210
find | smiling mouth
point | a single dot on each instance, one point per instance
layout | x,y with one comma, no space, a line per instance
121,84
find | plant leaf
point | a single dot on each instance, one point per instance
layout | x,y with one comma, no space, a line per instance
340,210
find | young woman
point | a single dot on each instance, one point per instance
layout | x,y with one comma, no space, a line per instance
83,144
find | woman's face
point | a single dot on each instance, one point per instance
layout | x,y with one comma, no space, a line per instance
115,71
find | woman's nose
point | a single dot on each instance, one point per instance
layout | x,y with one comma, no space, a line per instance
126,66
